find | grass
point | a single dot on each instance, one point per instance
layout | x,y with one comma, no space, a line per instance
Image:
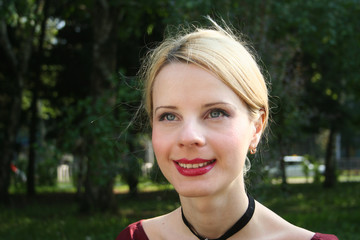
55,215
311,206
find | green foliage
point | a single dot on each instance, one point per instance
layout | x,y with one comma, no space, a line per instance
305,169
93,121
309,52
130,138
46,167
325,33
108,124
316,164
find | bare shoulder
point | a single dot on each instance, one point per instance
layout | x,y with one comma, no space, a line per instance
162,227
275,227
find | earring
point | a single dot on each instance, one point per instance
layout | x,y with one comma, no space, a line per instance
253,150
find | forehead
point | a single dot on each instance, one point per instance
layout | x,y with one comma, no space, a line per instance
179,83
185,73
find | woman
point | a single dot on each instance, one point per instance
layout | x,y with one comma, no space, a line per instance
208,106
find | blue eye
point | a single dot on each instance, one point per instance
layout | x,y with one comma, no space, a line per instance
216,113
167,117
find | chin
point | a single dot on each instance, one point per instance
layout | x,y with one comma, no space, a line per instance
193,194
194,191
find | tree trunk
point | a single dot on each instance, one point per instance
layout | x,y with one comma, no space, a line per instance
283,172
105,18
34,122
97,196
282,164
132,177
330,176
8,145
18,67
30,184
80,178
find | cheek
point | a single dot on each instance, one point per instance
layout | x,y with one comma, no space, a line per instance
156,142
234,136
161,149
234,144
160,144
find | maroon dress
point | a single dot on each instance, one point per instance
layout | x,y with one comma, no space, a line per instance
135,231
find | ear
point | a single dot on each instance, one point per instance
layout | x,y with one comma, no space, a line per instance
258,129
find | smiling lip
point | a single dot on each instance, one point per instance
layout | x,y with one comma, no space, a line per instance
194,167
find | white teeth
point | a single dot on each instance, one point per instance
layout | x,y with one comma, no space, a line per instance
197,165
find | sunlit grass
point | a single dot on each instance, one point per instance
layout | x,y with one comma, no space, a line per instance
335,210
68,187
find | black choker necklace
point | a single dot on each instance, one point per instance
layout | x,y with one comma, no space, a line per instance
240,224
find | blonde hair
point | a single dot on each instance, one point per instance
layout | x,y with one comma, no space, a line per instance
220,51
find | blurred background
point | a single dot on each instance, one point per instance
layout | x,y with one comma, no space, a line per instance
76,158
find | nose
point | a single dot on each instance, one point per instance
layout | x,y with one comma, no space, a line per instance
191,135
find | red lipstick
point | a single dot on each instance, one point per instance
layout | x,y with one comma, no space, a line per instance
194,167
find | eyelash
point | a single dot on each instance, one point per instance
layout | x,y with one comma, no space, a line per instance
164,115
222,112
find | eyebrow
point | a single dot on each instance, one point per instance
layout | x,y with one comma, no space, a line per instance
167,107
216,103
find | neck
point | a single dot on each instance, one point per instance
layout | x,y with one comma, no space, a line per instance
212,216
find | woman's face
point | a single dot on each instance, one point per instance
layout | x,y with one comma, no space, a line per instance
201,130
